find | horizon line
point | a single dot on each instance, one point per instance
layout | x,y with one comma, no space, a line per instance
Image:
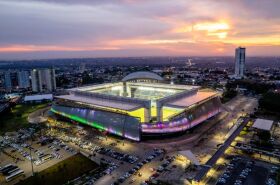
104,57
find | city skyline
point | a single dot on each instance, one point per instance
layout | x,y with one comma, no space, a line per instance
128,28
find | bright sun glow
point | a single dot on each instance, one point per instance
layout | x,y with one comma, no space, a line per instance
221,35
211,27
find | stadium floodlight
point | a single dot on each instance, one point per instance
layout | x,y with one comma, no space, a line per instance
116,88
157,89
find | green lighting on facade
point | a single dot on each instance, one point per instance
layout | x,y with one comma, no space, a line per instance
80,120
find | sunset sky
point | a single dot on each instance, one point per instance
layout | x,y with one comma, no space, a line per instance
108,28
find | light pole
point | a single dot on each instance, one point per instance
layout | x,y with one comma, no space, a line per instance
31,158
123,129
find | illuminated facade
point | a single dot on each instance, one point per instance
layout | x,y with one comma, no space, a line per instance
138,106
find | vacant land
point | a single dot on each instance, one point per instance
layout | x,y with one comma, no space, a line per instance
17,118
62,172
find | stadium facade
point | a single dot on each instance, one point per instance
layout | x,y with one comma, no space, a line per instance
141,104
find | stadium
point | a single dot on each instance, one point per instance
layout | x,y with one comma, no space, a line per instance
141,104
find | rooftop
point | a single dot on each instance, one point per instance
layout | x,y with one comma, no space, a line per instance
187,101
263,124
144,91
142,75
132,96
115,104
38,97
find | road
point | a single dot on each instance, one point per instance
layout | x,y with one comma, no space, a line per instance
209,164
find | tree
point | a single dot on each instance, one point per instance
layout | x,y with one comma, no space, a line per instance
62,81
270,101
264,135
255,86
90,79
228,94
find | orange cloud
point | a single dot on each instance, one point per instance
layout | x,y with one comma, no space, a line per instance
256,41
217,29
202,30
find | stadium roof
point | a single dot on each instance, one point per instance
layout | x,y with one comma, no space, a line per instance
38,97
128,106
191,100
263,124
142,75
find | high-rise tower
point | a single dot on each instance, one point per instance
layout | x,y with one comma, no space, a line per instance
8,81
43,80
239,62
36,81
23,79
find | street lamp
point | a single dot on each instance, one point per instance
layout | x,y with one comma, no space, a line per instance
193,81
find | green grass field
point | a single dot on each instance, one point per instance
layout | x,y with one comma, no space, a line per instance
17,118
62,172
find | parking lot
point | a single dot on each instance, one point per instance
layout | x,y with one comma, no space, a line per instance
19,147
244,171
135,170
128,158
122,161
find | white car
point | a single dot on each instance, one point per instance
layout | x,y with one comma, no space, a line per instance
37,163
